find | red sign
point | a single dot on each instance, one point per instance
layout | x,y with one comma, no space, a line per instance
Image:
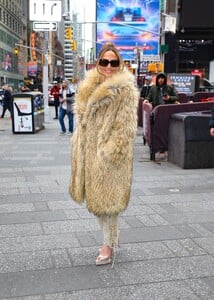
197,72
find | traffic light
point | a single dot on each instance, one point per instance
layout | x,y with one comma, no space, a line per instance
68,33
73,45
16,51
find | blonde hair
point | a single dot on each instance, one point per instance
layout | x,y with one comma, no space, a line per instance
109,47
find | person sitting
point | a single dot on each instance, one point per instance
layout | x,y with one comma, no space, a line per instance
146,88
160,93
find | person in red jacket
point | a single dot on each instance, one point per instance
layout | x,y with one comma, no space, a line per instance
54,91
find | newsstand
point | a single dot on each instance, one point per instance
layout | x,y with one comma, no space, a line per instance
27,112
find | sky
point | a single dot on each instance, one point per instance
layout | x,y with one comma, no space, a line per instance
86,13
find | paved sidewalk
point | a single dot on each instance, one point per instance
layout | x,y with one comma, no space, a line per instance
48,244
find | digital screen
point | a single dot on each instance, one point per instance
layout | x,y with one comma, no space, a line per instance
129,25
184,83
32,68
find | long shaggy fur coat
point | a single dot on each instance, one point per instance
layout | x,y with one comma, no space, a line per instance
102,144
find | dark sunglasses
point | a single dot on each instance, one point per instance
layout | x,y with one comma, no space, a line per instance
113,63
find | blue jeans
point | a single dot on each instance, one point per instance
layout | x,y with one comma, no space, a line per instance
62,113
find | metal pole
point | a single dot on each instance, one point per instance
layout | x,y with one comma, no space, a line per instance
45,80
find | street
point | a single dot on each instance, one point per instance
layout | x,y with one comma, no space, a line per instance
48,243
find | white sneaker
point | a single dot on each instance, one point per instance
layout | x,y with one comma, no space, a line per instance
62,133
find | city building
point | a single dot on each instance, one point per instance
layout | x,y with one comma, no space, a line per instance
13,31
69,49
22,48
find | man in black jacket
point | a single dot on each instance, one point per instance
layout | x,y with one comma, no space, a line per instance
161,92
7,101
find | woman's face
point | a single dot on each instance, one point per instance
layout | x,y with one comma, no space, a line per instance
64,84
112,62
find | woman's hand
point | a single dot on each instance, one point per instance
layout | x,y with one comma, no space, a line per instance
147,106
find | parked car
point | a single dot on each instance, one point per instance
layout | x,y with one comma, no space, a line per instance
206,85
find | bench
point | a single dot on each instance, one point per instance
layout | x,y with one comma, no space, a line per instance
156,123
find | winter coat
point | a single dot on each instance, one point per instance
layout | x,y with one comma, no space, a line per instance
102,144
54,91
7,99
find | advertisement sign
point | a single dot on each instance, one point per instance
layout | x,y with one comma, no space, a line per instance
32,68
22,114
184,83
129,25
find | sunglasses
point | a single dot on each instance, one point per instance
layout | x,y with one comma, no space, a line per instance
113,63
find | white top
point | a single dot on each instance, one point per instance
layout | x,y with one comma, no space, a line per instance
64,104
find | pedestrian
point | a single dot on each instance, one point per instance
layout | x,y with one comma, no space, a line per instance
66,99
7,100
54,91
146,87
160,93
212,123
102,144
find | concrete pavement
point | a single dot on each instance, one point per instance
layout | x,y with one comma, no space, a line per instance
48,244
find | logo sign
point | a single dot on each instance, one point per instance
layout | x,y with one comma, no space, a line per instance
45,10
44,26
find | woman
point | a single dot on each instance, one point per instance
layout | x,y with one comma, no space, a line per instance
102,145
66,99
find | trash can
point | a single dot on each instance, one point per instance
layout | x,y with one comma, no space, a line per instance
27,112
190,144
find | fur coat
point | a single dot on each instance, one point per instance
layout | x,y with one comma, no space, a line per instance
102,144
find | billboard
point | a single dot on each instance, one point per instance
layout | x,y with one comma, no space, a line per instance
32,68
22,114
129,25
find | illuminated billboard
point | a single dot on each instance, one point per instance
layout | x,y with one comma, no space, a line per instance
129,24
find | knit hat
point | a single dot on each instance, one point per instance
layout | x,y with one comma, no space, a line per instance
148,77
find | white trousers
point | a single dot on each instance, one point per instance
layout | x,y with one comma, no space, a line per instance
109,227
